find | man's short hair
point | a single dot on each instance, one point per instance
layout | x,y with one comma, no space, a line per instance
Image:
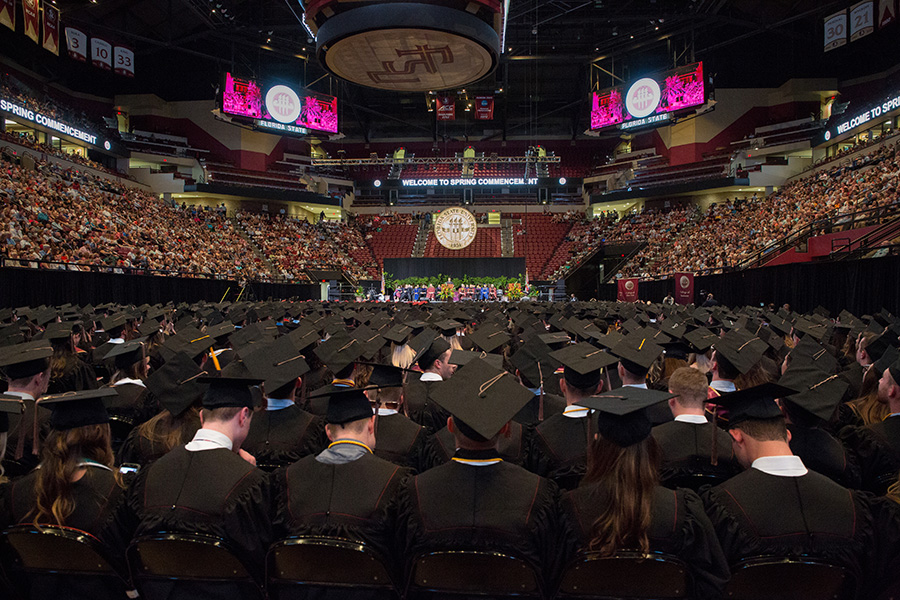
390,395
765,430
725,368
690,385
221,415
357,426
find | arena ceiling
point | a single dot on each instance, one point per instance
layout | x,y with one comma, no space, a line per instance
555,51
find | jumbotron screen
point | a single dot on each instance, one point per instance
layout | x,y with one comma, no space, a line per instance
649,100
279,107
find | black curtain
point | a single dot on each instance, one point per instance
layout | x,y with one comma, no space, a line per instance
33,287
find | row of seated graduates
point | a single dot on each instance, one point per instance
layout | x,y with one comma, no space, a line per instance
535,344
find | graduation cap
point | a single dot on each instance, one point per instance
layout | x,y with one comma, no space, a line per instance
583,364
895,371
811,352
753,404
489,337
481,399
555,340
24,360
278,363
426,356
57,331
638,351
887,359
339,351
533,360
398,333
464,357
807,327
622,413
702,339
677,349
817,393
741,352
877,346
304,336
345,405
384,376
220,331
114,322
610,340
175,384
449,326
126,354
78,409
370,340
231,388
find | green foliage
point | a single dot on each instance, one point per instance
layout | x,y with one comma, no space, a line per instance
436,281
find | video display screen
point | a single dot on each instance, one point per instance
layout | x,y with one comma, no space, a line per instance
279,107
649,99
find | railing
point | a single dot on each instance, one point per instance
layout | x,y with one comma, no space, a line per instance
854,220
612,272
866,243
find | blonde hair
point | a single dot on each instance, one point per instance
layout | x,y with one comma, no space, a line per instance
403,356
691,387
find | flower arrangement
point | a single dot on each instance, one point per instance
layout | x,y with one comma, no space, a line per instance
446,291
514,291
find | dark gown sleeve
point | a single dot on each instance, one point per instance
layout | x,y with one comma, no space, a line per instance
885,563
878,464
248,523
433,453
734,542
547,532
85,377
129,451
701,550
124,519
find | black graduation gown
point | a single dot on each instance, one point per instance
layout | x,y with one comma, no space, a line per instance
529,413
278,438
134,403
825,454
312,381
877,450
499,507
354,500
95,495
421,408
400,441
758,514
512,448
20,459
559,449
853,374
212,492
77,377
679,526
686,449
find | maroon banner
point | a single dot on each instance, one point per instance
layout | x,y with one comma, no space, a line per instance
446,108
628,290
8,13
887,13
484,108
31,13
684,288
51,29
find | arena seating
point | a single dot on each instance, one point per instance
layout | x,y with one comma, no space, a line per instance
229,175
657,175
387,239
537,238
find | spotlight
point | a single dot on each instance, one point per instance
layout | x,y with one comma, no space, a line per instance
377,183
562,181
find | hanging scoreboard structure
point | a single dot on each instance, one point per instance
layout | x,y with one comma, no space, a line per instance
279,108
650,101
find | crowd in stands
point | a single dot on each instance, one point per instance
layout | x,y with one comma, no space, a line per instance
28,140
46,105
294,245
59,218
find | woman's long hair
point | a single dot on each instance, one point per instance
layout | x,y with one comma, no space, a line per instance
628,476
62,453
167,431
63,359
866,406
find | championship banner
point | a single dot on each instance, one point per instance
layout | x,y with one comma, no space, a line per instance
684,288
51,29
836,30
124,61
628,290
31,13
8,13
76,42
862,21
446,108
887,13
484,108
101,53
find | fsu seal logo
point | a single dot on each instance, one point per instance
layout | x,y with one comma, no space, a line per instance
629,285
455,228
684,282
642,98
283,104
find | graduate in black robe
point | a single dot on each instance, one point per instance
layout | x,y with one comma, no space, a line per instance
133,404
624,451
690,445
478,501
68,372
513,446
78,444
559,445
282,433
345,491
778,507
433,358
207,486
398,439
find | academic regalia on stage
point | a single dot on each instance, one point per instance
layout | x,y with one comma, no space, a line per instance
558,449
278,438
353,500
679,526
825,454
400,441
491,505
686,449
513,448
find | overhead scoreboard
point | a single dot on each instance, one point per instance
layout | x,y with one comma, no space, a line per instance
649,101
278,107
